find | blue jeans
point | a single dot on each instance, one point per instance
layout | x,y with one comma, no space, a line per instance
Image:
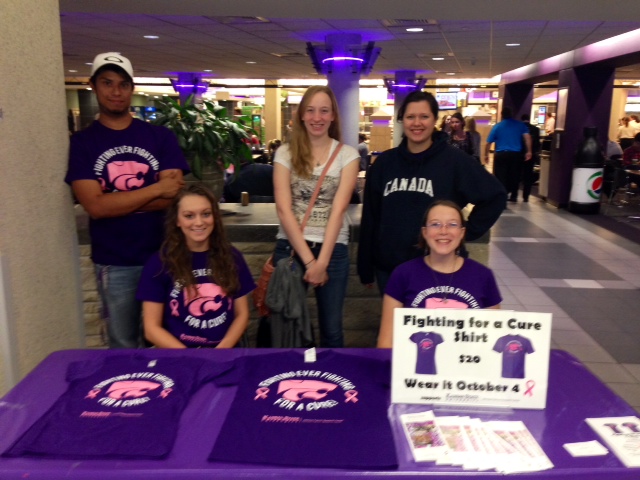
117,287
329,297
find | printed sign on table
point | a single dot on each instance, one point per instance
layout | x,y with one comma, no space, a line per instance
470,357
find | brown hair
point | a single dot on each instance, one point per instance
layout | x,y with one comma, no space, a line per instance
422,243
177,258
300,146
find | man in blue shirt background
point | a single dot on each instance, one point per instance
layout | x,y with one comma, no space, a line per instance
509,157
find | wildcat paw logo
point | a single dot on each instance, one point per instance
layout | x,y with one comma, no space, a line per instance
127,175
307,390
131,389
426,344
208,298
514,347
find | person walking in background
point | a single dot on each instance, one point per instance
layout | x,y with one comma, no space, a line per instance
476,139
508,135
440,278
405,180
625,133
458,137
528,165
363,150
321,248
124,172
444,124
194,290
634,122
550,124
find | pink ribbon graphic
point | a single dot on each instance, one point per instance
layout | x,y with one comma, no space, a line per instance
93,393
261,393
530,384
174,307
165,393
351,396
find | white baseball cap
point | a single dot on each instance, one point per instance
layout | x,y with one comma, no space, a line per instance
112,58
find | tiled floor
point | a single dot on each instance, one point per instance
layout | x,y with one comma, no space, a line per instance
550,260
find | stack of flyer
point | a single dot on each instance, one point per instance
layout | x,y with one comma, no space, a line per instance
622,435
505,446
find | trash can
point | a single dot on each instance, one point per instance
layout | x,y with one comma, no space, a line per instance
586,181
543,182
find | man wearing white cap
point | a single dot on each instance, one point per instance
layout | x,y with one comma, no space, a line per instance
124,172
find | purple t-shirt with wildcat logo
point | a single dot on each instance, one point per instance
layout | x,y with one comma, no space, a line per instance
124,406
124,160
327,413
199,317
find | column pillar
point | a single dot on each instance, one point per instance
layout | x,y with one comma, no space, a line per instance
272,111
587,93
518,97
40,299
404,84
344,80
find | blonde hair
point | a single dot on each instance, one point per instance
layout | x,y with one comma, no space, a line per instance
300,146
471,124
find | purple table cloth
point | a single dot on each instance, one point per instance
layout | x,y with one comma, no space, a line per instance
573,395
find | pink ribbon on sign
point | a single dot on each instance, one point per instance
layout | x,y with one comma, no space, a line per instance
165,393
352,396
261,393
93,393
530,384
174,307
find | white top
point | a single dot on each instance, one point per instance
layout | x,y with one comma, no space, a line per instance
302,189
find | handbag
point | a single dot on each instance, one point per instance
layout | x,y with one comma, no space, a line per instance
260,292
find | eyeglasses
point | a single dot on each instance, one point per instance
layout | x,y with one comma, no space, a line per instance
447,226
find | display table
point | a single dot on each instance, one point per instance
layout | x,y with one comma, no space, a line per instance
574,394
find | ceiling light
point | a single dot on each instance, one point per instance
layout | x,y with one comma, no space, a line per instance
151,37
73,71
208,70
415,29
437,58
251,62
512,44
450,73
89,63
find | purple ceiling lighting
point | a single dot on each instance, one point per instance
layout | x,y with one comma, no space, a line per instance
334,54
405,81
189,84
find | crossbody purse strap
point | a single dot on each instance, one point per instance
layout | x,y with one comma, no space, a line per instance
316,192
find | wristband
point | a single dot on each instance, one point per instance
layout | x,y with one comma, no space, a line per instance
310,261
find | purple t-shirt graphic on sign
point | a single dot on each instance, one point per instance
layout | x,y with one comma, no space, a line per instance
112,408
426,358
199,316
124,160
513,349
327,413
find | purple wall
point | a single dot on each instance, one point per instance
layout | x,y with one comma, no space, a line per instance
588,105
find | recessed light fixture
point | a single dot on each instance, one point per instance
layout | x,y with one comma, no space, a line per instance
512,44
156,96
140,93
151,37
437,58
415,29
89,63
450,73
73,71
208,70
251,62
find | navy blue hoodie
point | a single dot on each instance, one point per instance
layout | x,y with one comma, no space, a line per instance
401,185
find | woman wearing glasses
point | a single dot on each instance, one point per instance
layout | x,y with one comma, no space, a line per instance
405,180
442,278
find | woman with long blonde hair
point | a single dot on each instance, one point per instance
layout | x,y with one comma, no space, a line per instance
321,249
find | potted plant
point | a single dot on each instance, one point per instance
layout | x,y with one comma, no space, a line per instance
210,140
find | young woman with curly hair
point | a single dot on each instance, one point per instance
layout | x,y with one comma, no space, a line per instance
194,291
